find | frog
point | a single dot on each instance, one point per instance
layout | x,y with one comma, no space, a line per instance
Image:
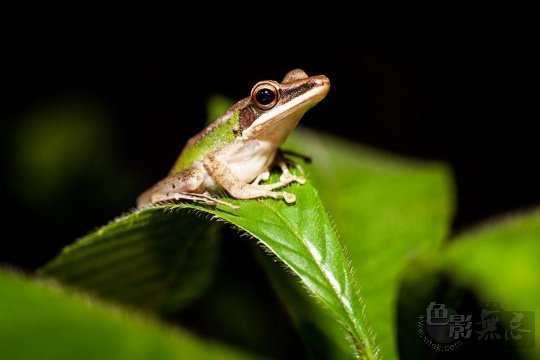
234,154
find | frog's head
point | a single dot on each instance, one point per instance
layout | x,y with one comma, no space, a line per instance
274,109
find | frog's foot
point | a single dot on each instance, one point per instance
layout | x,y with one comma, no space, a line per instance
251,191
205,197
254,190
286,175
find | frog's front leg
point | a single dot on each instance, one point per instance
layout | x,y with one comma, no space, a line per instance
286,175
238,189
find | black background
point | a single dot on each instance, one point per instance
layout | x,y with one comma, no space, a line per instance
466,96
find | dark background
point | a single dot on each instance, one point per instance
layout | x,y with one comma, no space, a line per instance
88,122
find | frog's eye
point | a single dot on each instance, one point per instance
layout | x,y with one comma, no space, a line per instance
265,95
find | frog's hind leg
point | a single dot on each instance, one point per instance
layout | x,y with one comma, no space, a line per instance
160,198
238,189
187,185
187,182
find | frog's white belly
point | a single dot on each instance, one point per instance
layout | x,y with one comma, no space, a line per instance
246,160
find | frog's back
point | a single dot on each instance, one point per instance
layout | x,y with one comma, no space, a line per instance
221,132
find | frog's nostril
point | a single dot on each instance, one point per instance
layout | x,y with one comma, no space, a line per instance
322,80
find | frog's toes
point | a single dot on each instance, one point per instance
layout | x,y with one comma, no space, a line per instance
287,178
289,198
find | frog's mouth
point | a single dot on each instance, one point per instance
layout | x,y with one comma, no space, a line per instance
279,121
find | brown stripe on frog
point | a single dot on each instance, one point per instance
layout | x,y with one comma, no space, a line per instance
247,116
290,92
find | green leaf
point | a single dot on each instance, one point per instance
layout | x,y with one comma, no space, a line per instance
320,332
500,262
386,208
302,237
40,320
138,245
154,259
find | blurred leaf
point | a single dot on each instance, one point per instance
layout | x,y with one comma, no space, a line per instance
386,208
421,285
154,259
216,106
241,309
500,262
58,142
42,321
